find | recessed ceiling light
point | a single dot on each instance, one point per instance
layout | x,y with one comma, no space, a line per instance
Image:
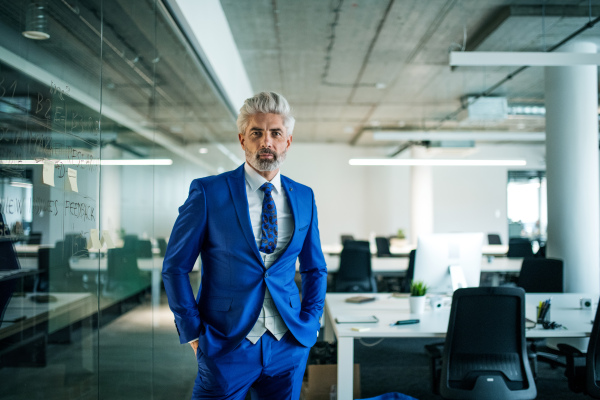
203,150
433,162
380,85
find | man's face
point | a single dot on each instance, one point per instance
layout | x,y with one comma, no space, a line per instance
265,142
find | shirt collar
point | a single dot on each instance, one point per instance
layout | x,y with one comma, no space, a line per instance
255,180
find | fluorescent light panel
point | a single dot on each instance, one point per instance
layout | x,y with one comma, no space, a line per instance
148,161
521,58
435,163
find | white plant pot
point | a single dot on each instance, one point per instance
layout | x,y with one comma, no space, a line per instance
417,304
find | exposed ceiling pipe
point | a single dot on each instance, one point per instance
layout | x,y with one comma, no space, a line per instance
495,86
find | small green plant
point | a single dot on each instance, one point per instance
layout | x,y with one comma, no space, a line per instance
400,234
418,288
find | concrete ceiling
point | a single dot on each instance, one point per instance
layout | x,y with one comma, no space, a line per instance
350,67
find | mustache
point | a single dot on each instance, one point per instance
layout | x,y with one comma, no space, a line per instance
266,151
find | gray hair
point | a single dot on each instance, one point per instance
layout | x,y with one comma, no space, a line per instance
266,103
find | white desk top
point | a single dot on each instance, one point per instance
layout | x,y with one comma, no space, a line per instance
488,250
565,310
400,265
84,264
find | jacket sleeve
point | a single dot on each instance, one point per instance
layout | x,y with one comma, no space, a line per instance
313,268
182,251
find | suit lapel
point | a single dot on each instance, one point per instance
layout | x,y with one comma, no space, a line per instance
237,187
291,192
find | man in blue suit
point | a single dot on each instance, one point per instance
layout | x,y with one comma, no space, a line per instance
247,324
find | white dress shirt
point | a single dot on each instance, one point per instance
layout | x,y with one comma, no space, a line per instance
269,318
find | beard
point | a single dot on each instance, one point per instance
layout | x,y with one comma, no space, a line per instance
265,164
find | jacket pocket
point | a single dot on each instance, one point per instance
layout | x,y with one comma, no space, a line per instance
295,301
219,303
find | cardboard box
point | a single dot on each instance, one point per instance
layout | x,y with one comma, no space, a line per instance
319,379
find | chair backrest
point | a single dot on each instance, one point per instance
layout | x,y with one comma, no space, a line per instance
494,238
34,238
345,238
541,275
144,249
410,271
355,267
485,355
383,246
593,360
162,245
519,247
121,265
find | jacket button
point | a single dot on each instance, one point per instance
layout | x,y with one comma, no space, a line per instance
266,274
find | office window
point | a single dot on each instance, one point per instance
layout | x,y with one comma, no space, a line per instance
527,205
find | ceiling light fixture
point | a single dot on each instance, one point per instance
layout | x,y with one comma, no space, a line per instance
520,58
435,163
203,150
147,161
36,21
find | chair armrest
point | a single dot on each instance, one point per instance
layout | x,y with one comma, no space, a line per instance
569,351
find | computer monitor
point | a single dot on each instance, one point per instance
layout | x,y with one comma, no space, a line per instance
437,253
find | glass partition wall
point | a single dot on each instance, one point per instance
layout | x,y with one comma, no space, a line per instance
103,106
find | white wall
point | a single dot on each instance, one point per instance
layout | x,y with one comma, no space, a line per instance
473,199
350,199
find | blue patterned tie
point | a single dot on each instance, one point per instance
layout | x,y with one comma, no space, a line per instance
269,221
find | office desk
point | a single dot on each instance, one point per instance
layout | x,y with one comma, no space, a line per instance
152,265
398,266
403,251
565,310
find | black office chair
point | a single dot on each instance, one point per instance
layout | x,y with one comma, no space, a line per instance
355,274
484,354
162,245
519,248
345,238
122,270
383,247
494,238
583,370
144,249
410,271
34,238
541,275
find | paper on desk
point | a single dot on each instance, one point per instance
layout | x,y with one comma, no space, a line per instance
71,181
107,239
48,173
94,242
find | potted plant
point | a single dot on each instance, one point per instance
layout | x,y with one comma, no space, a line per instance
418,290
399,240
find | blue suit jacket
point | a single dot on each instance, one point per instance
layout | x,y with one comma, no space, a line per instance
215,223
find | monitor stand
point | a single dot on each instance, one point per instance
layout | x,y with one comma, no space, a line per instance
457,276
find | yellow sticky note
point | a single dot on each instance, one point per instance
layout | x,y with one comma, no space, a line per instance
71,181
48,173
94,242
107,239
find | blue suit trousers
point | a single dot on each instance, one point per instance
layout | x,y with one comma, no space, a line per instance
269,369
